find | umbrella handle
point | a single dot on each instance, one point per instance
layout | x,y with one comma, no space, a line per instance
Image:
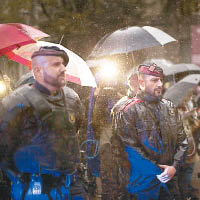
133,60
1,74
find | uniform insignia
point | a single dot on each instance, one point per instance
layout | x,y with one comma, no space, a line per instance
72,118
171,111
152,68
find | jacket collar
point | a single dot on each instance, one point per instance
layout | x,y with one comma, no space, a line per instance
147,97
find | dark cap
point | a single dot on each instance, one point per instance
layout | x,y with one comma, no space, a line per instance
150,69
51,51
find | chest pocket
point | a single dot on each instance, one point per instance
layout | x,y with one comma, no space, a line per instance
144,125
169,126
146,131
60,120
57,119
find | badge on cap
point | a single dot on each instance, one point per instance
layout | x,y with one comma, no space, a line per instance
152,68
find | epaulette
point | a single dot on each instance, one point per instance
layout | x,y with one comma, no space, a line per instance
131,102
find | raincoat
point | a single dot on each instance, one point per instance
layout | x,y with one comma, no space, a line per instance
147,132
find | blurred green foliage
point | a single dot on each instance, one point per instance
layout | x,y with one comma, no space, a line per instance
84,22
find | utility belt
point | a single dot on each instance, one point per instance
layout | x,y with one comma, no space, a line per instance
41,186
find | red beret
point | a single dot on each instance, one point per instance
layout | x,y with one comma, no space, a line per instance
150,69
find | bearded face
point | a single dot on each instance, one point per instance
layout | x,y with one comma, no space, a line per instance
50,71
152,85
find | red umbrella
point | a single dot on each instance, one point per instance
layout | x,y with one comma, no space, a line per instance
77,69
14,35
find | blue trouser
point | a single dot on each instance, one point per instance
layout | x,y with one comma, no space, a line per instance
47,187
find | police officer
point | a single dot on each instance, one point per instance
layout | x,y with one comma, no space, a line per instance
149,141
104,132
39,129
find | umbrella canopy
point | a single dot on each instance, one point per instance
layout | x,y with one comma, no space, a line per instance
130,39
14,35
77,69
161,62
182,67
179,91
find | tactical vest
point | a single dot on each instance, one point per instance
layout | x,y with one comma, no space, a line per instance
55,145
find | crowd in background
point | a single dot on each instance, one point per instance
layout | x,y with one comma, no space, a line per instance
105,99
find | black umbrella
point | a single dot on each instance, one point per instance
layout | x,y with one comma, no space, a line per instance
179,68
161,62
130,39
179,91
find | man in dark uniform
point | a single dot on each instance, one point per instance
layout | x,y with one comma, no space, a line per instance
103,131
39,131
149,141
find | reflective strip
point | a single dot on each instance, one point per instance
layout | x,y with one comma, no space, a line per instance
132,103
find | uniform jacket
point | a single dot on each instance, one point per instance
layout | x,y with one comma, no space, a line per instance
39,131
147,132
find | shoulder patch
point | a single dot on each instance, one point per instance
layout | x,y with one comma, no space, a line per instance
135,101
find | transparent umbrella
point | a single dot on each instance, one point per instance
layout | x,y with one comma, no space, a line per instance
181,67
77,69
180,90
130,39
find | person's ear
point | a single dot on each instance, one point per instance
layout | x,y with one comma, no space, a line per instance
141,83
37,72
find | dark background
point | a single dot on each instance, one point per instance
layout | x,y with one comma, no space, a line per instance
84,22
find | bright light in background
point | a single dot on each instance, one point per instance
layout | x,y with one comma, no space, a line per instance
2,88
109,69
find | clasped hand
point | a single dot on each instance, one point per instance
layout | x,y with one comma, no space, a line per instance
167,174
